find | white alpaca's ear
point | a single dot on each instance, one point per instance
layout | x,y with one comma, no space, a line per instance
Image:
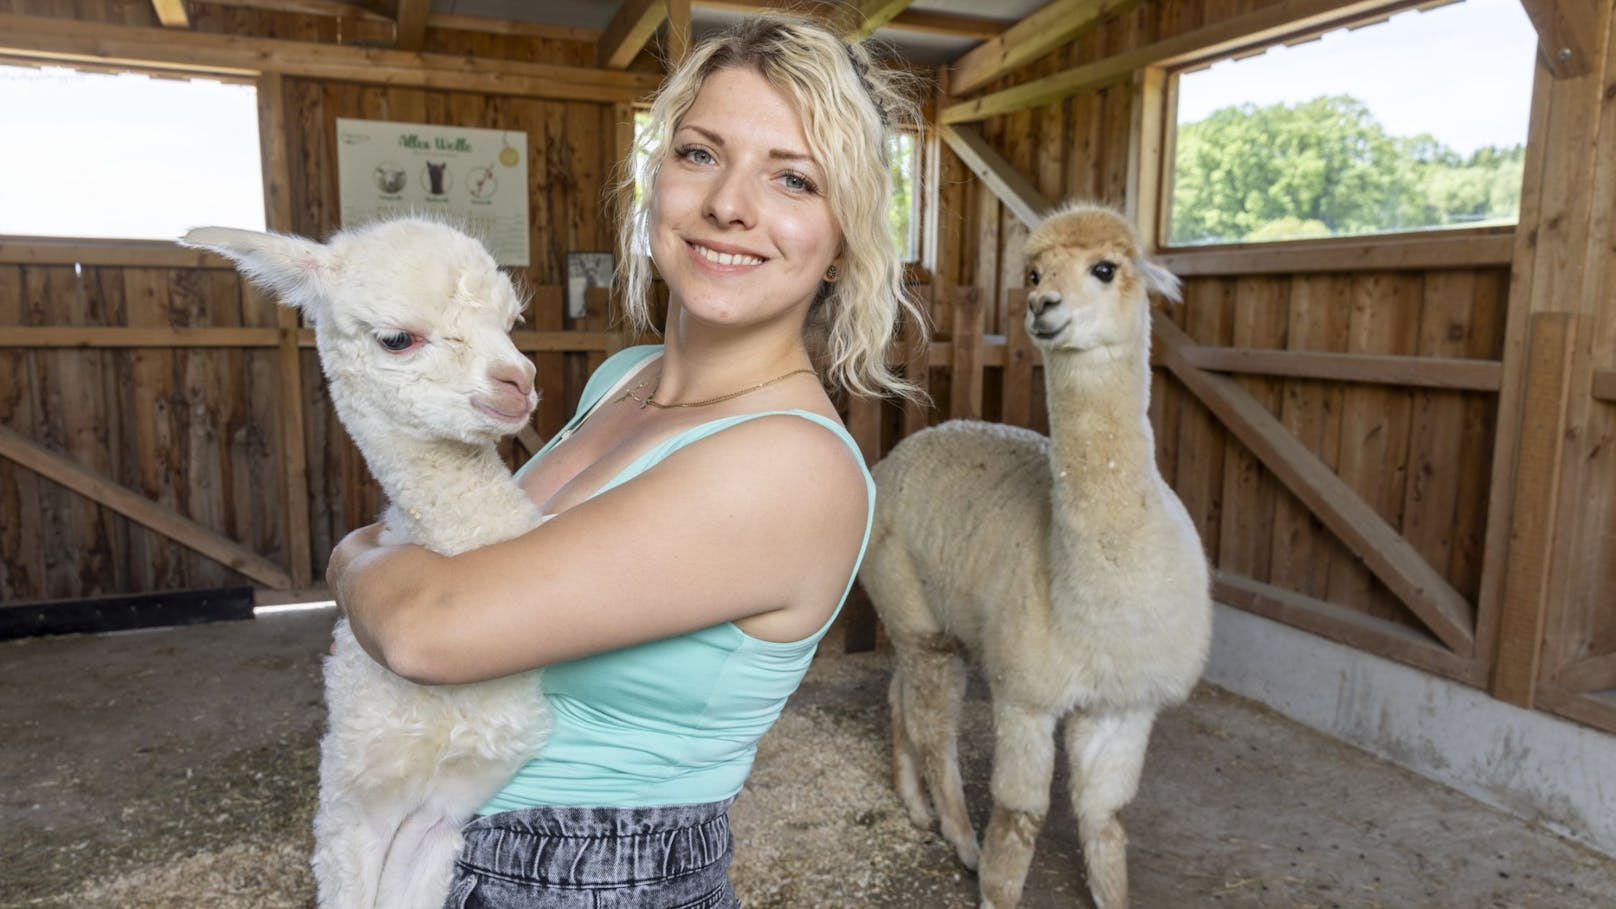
1159,279
293,268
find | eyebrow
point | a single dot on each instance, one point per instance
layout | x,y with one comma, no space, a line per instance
780,153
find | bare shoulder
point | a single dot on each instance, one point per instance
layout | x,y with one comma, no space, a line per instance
794,460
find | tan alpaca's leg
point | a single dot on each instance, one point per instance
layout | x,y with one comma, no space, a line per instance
1023,764
933,688
1107,754
905,765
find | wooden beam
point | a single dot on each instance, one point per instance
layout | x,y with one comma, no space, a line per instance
1046,29
678,31
136,507
1015,191
95,336
54,39
636,21
1604,384
1339,623
16,250
947,25
1419,372
1550,340
1567,34
1390,557
1596,673
459,23
171,13
1486,248
411,24
860,18
336,8
965,384
1268,24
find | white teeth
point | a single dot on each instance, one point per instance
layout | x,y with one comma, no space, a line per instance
713,255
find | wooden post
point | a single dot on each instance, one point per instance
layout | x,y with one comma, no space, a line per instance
1019,358
966,378
272,132
1550,340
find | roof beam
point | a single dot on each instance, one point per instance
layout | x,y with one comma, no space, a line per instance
1041,32
629,31
861,18
171,13
678,31
1015,191
411,24
365,10
1283,20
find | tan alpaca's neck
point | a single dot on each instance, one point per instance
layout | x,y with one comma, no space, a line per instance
1101,445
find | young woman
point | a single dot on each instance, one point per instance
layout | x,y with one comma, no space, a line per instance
708,511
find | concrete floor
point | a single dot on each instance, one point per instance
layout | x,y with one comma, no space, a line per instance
176,768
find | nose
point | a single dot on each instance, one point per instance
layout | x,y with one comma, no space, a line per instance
519,376
730,202
1038,302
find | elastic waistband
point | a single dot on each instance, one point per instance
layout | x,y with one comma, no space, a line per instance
584,847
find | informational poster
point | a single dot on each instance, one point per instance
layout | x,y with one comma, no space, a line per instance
473,177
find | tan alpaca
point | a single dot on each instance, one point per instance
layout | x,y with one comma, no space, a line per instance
1064,566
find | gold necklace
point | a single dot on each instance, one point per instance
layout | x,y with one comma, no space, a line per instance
650,399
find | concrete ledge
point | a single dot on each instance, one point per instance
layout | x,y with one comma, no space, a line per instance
1535,766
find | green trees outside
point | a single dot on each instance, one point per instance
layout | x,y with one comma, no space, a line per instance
1324,168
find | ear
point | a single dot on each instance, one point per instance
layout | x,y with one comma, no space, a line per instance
1159,279
294,269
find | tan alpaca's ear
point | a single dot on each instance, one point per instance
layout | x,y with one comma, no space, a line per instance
293,268
1159,280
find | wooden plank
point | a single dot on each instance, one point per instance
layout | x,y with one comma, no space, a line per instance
54,467
50,38
1597,673
860,18
1011,188
1262,26
1249,493
1208,315
1146,145
411,24
864,424
20,250
512,27
545,313
678,32
1388,555
1422,252
1377,369
1341,624
1020,356
1042,31
1603,386
346,9
917,370
947,24
1567,34
626,35
1597,711
965,401
114,336
171,13
1532,527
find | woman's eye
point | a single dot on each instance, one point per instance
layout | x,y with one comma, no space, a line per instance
1032,277
695,154
1105,271
799,183
396,341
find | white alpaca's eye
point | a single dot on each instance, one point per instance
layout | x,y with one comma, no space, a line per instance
395,341
1105,271
1032,277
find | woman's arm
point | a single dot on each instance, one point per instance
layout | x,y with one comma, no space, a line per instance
758,524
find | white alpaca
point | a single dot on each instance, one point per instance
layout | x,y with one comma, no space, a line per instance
412,321
1065,566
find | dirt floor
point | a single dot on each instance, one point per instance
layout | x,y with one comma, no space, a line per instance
176,768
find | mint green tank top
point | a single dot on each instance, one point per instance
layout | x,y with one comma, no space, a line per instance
668,722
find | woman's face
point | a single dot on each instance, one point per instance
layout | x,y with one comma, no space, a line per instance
740,226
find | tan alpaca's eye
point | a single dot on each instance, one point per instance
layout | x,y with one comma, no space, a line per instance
396,341
1032,277
1105,271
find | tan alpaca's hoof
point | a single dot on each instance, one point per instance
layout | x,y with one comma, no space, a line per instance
969,854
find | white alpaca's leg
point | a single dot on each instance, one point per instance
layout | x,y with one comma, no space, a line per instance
348,852
1023,765
934,687
1107,755
420,862
905,764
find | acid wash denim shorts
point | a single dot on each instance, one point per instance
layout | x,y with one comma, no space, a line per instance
668,857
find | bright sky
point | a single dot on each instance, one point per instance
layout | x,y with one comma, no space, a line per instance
1462,73
88,154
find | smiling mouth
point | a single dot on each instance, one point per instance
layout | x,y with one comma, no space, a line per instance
723,258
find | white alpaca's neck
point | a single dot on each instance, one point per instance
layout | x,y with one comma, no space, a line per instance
1102,456
447,495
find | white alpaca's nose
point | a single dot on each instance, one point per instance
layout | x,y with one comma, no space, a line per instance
518,377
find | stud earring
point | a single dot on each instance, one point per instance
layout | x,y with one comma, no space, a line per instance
832,273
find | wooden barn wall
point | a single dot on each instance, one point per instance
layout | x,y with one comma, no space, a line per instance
198,429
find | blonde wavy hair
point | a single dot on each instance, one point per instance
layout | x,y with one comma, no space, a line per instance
849,105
